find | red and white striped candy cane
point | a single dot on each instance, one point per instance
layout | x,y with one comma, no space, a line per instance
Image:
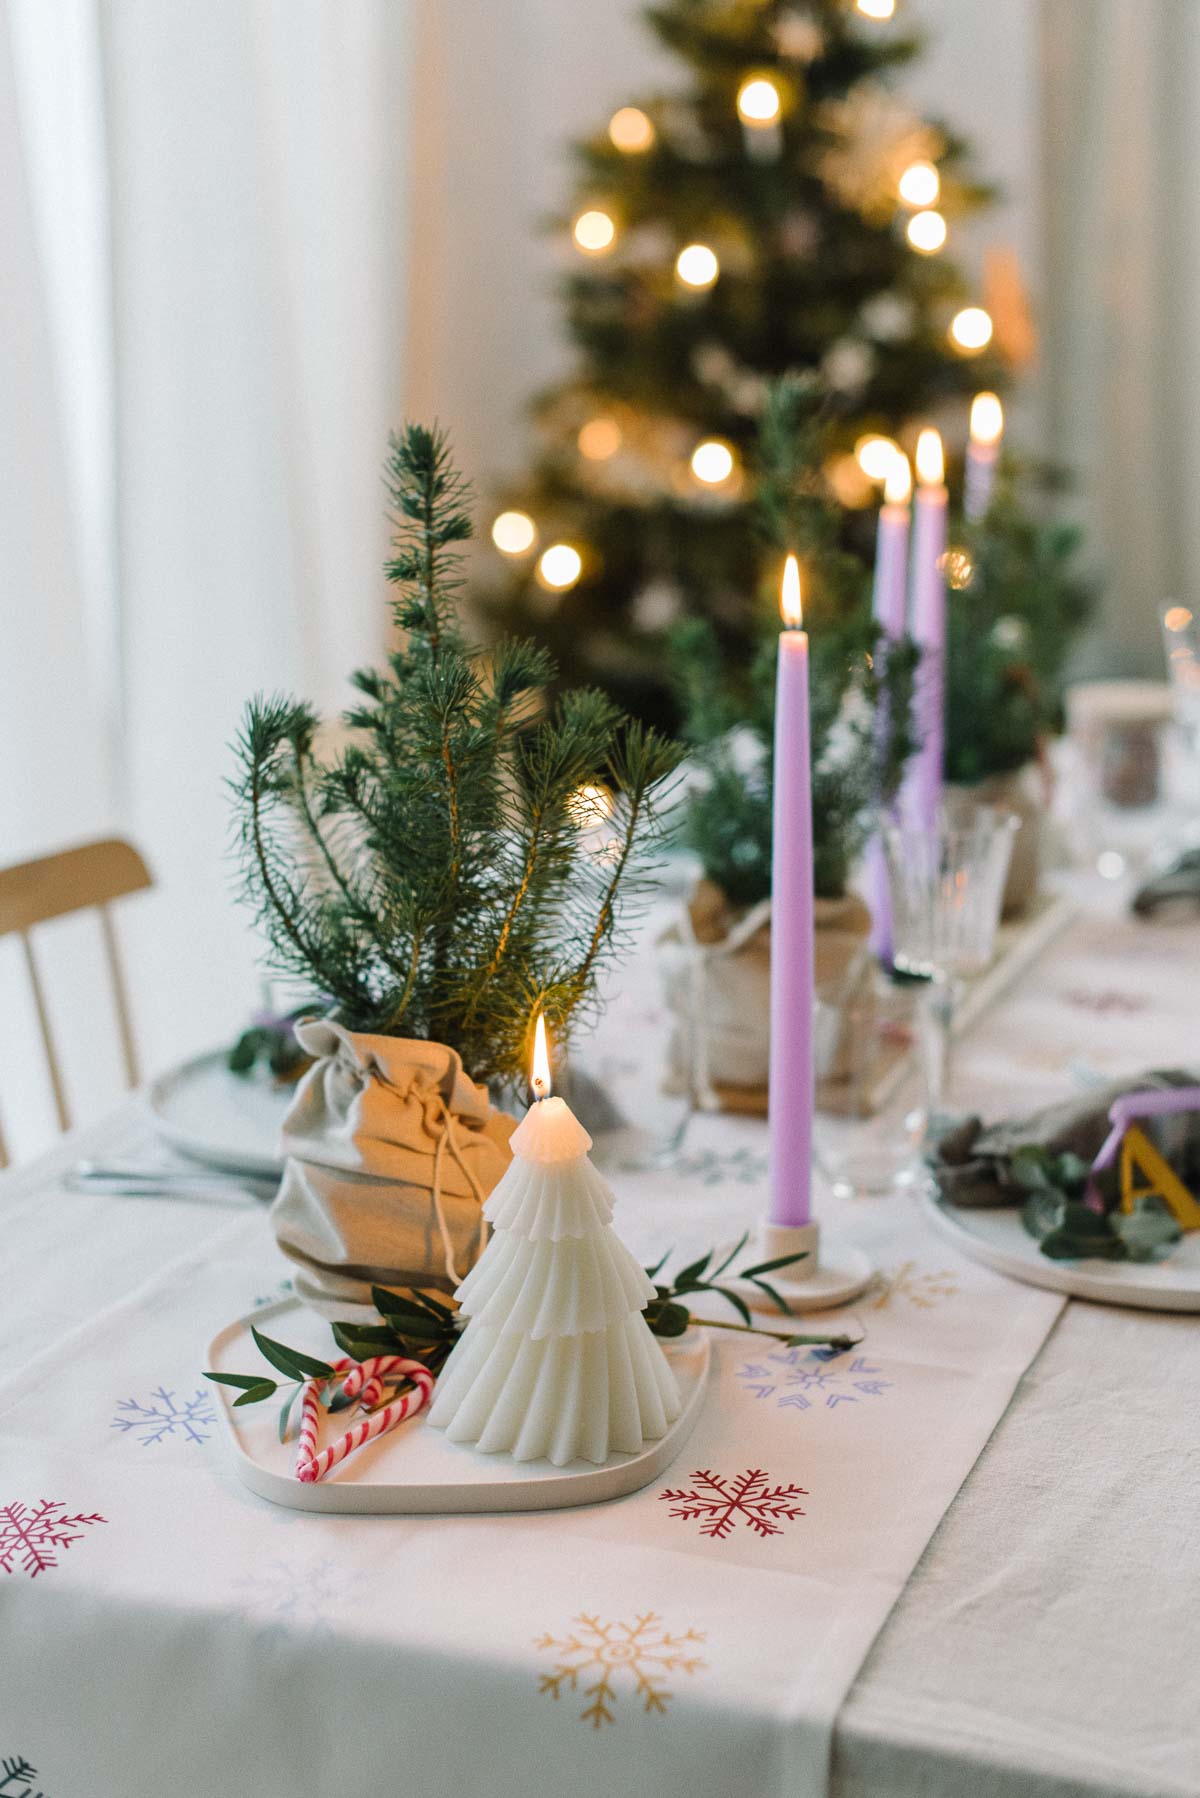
407,1405
364,1382
310,1415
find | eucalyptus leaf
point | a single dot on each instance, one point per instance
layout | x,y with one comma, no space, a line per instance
692,1272
770,1267
667,1319
1149,1230
1030,1170
1042,1212
244,1380
285,1413
776,1298
264,1389
289,1360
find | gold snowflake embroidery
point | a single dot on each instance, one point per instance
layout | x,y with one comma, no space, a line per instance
919,1287
599,1652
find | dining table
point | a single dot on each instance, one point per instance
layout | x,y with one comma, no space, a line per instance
962,1557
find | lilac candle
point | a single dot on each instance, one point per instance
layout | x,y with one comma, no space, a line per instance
889,607
923,787
792,1081
983,452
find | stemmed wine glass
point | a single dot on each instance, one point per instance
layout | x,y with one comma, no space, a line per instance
947,886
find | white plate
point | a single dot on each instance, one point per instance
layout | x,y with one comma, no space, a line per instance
414,1468
997,1237
226,1120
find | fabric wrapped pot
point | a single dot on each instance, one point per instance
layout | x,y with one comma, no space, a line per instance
391,1152
716,962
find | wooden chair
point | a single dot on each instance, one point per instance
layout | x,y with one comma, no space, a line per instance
32,893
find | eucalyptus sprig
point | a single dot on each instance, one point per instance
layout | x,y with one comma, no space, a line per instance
421,1328
668,1317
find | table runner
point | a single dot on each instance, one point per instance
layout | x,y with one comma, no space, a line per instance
192,1636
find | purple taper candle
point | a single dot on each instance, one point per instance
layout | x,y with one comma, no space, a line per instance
889,607
923,787
983,452
792,1081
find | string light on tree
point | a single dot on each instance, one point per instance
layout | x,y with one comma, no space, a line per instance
631,131
713,462
696,266
877,9
590,806
514,533
559,567
760,109
927,232
594,231
599,439
920,184
875,456
971,330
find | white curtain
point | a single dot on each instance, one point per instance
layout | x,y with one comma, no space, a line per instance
203,327
1121,352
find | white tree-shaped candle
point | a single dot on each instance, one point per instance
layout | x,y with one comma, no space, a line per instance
556,1360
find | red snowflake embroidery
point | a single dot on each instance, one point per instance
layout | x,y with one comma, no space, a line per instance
720,1502
30,1538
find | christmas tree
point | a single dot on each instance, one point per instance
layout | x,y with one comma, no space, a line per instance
556,1360
783,210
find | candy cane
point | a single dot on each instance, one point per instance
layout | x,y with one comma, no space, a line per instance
364,1381
407,1405
310,1415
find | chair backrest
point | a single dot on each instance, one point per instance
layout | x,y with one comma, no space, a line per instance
89,877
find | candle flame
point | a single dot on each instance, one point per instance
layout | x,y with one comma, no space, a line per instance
987,419
931,463
540,1080
790,604
897,487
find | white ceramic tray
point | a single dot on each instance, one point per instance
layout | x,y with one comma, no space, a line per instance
996,1237
414,1468
229,1121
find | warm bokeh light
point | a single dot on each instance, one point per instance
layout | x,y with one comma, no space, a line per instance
560,566
590,806
630,130
920,184
897,485
957,568
599,439
971,329
875,456
697,265
987,419
1177,618
877,9
514,533
931,460
758,101
791,608
712,462
594,231
540,1076
926,232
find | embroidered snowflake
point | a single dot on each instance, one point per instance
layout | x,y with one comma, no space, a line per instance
298,1596
162,1416
601,1652
922,1287
1109,1002
799,1379
16,1778
712,1167
30,1539
719,1503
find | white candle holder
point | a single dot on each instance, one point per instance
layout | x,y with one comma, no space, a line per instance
832,1272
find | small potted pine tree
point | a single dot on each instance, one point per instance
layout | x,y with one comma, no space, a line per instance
1016,604
430,878
861,708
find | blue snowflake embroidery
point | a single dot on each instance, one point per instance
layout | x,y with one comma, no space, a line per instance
16,1778
800,1381
163,1416
712,1167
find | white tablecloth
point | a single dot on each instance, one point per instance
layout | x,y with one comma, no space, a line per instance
193,1638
